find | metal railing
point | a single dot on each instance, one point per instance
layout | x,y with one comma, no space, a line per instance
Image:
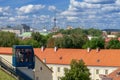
7,66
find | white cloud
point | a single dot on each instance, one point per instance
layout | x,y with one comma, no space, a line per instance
44,16
75,4
22,17
69,13
1,9
51,8
4,9
90,12
3,18
40,19
12,19
117,2
110,9
100,1
82,12
29,8
72,19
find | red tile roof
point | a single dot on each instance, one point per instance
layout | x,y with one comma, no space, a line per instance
105,57
93,58
115,75
6,50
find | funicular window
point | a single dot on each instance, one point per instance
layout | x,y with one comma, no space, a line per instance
23,56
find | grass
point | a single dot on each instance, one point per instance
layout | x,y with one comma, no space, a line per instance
5,76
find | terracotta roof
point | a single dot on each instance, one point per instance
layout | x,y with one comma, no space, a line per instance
107,39
93,58
115,75
105,57
105,77
6,50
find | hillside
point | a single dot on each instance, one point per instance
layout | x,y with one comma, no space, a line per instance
5,76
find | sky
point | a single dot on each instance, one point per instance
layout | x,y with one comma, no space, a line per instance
100,14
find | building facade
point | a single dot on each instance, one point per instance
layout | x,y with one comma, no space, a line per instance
98,61
40,72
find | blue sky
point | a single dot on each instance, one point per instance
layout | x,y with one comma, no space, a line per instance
99,14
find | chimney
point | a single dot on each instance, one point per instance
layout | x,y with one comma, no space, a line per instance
117,73
42,48
44,60
88,49
55,48
98,49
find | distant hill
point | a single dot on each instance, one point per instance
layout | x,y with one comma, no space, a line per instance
112,30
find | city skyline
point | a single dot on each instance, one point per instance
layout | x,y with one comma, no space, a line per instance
100,14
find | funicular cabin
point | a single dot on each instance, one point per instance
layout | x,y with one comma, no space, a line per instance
23,56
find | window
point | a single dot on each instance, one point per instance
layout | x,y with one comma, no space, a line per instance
58,69
97,71
40,68
58,78
106,71
37,78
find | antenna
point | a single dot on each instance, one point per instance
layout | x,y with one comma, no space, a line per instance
54,21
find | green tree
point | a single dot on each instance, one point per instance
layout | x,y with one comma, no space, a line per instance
42,40
67,42
32,42
78,71
118,35
59,42
78,40
8,39
94,32
51,43
113,44
36,36
95,43
71,41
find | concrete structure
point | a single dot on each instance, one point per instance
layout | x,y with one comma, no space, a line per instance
98,61
17,29
17,32
42,72
59,35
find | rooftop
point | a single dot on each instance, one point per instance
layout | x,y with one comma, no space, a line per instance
115,75
104,57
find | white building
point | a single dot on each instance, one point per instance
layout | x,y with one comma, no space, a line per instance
17,32
98,61
111,36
